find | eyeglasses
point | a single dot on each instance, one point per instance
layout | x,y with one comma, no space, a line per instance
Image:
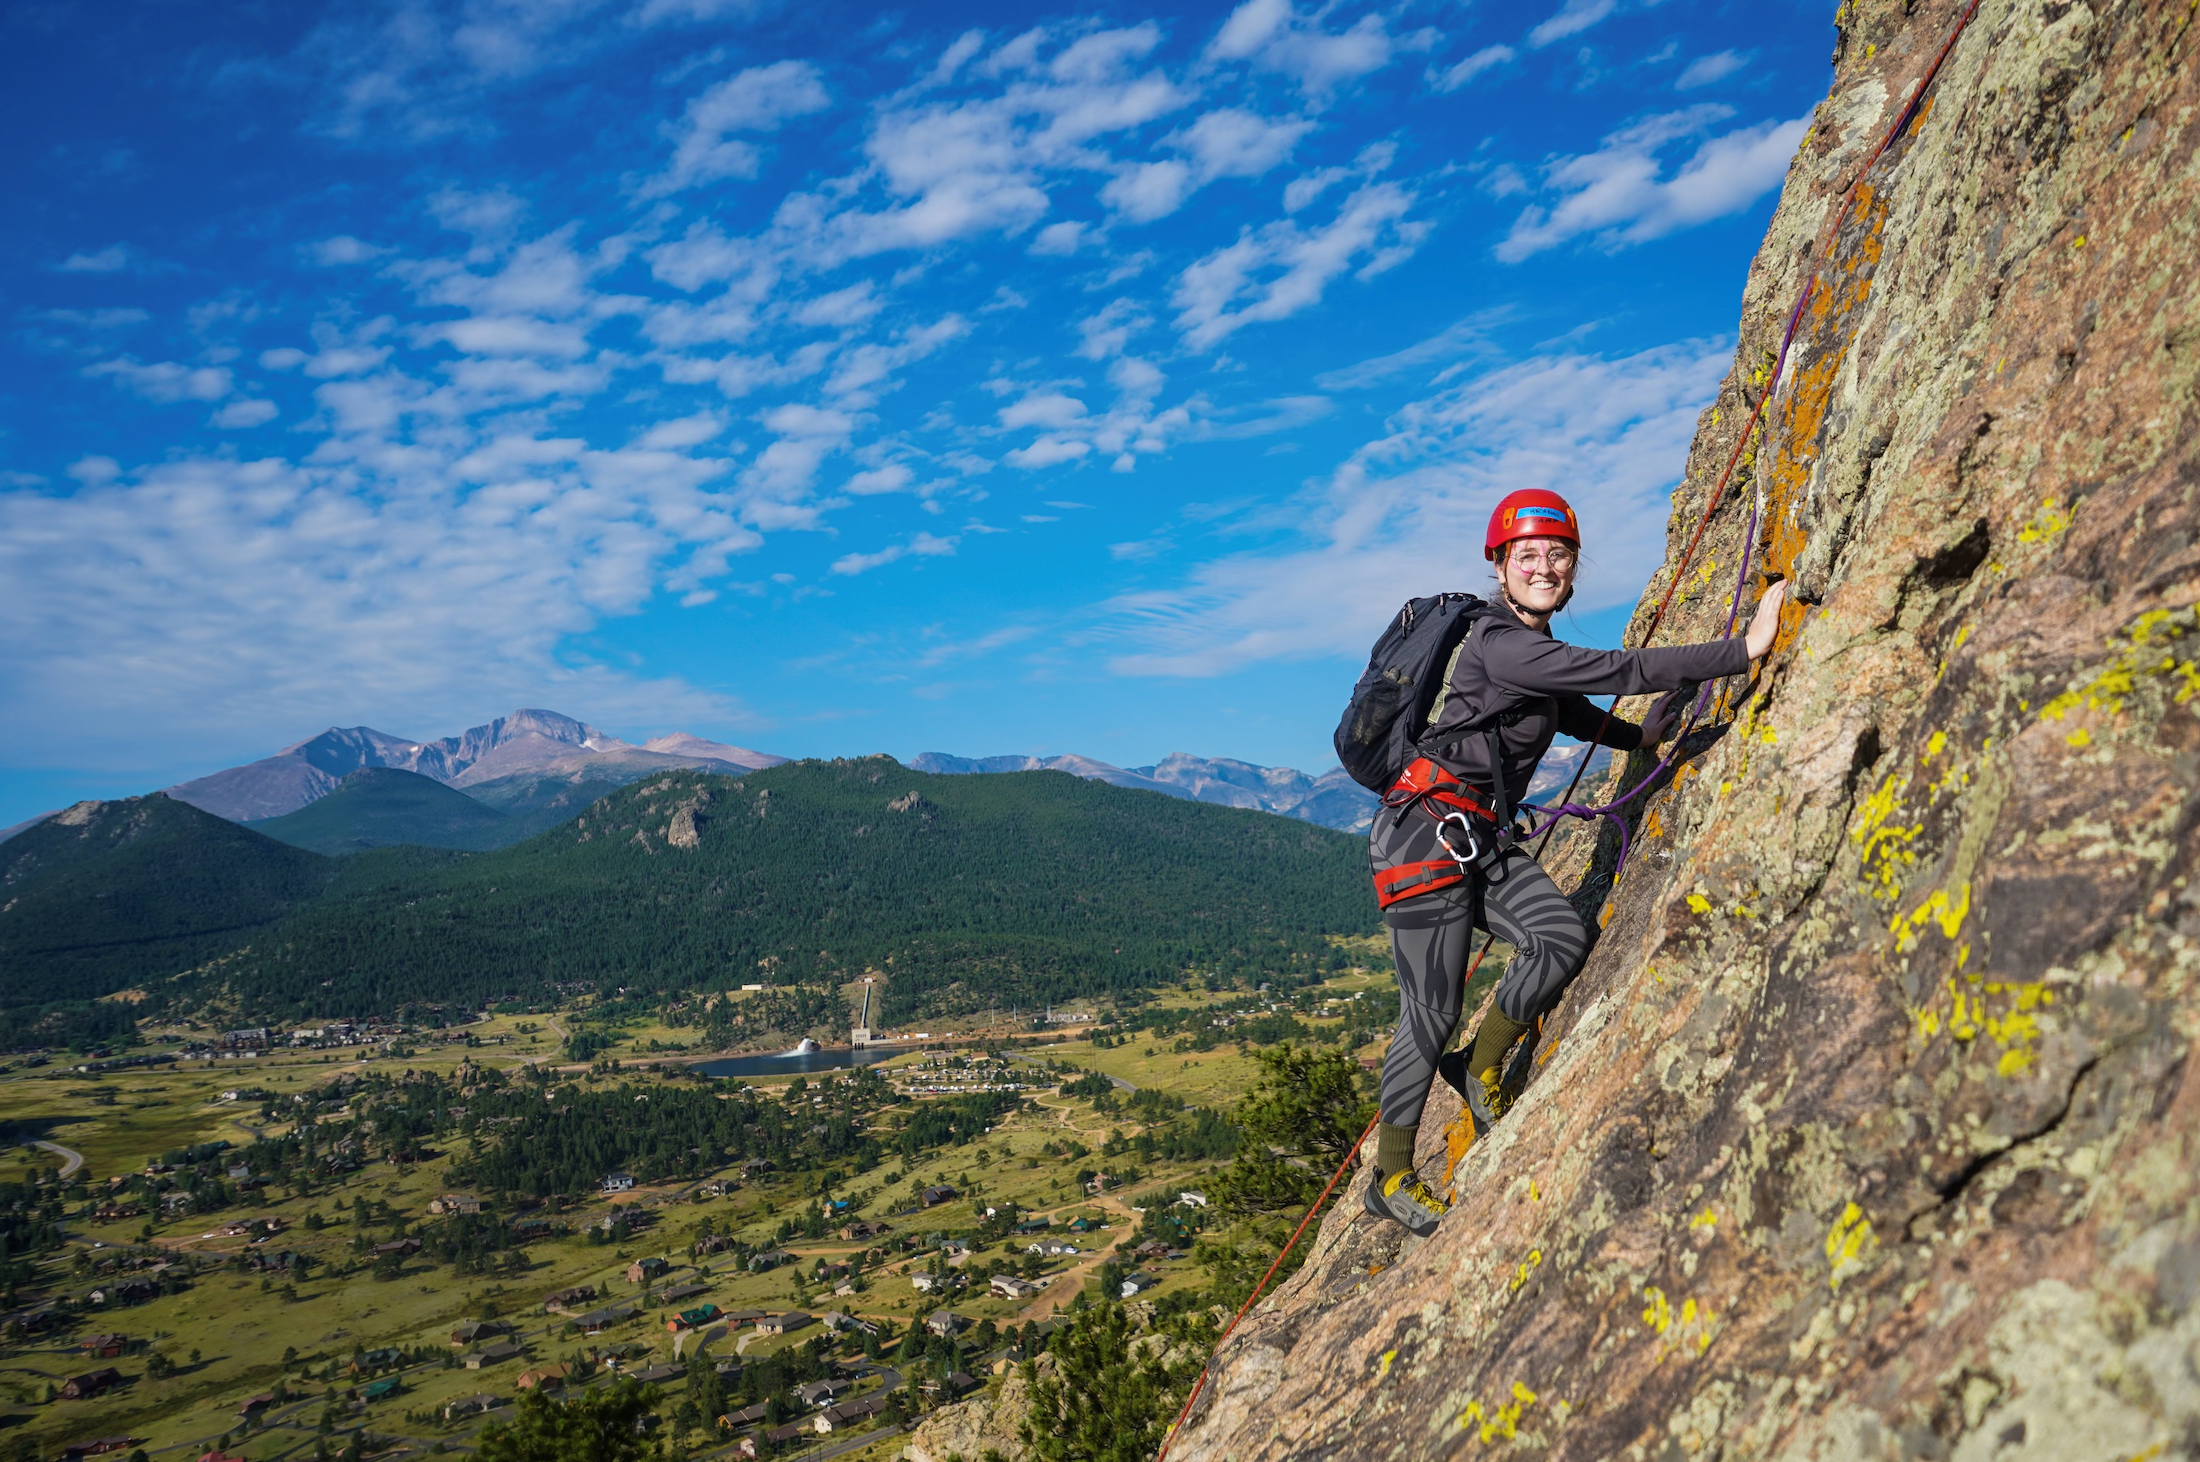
1559,559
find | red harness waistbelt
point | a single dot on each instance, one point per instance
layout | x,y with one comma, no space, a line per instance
1423,782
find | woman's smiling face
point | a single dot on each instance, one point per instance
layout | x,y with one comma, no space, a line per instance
1538,573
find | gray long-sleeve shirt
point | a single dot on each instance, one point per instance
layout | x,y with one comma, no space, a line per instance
1536,686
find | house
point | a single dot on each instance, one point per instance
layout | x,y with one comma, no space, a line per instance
375,1360
1034,1226
681,1292
946,1324
1138,1284
617,1182
925,1283
91,1383
565,1299
1009,1287
694,1319
99,1448
837,1321
381,1390
1152,1249
544,1378
399,1247
937,1194
711,1244
105,1346
849,1413
738,1318
746,1416
955,1385
1191,1199
769,1259
784,1324
471,1406
827,1270
1082,1225
595,1322
820,1393
254,1405
491,1355
658,1375
865,1229
779,1436
1100,1183
473,1330
455,1203
1054,1249
641,1271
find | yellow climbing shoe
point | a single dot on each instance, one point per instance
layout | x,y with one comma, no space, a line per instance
1404,1197
1488,1099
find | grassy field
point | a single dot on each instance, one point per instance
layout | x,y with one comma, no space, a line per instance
231,1335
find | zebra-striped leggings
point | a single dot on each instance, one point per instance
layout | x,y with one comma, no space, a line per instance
1431,938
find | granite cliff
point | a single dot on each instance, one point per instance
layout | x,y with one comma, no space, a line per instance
1870,1130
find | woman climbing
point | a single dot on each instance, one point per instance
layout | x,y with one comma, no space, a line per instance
1441,870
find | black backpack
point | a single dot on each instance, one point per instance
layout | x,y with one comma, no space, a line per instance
1388,714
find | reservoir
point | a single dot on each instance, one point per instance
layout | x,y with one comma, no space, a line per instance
799,1062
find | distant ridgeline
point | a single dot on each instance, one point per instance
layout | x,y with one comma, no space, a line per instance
966,892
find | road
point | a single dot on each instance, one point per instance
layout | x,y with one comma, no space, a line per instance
70,1156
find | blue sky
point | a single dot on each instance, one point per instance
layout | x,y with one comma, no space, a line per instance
832,378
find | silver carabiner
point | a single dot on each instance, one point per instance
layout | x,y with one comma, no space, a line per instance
1473,855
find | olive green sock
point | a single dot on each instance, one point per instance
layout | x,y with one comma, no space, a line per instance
1393,1149
1493,1040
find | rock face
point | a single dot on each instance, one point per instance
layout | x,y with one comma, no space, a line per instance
987,1422
1870,1130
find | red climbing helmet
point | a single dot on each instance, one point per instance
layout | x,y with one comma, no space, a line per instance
1532,512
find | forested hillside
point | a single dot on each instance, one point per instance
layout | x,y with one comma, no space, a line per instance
965,892
101,895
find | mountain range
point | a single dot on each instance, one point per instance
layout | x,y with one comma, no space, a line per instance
513,758
497,784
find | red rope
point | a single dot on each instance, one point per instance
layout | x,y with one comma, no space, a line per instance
1848,198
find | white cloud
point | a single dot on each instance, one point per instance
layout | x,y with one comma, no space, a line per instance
1058,238
1225,143
1282,269
1408,509
759,99
1706,69
1572,18
924,545
1149,190
342,249
1465,71
1049,410
1464,337
681,432
1108,332
1271,35
165,382
893,477
1048,451
246,413
1620,195
220,598
842,308
501,335
113,258
674,12
956,168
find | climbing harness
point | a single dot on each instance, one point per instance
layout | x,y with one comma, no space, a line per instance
1566,807
1474,835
